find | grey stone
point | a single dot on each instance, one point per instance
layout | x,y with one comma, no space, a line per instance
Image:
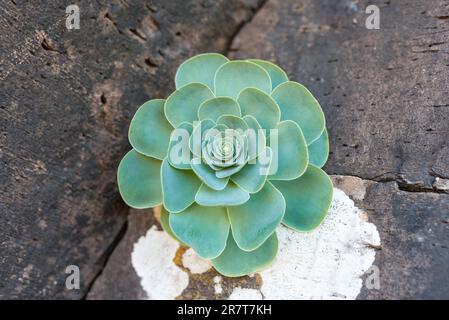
118,279
66,100
384,93
414,229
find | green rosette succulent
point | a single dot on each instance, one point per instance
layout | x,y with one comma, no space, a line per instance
233,152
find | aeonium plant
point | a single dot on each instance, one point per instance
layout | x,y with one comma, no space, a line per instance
232,153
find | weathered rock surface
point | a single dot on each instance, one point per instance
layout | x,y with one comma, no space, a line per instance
384,92
66,99
118,280
414,228
385,95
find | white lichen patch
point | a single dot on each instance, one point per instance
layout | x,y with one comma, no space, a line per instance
152,258
194,263
245,294
218,289
327,263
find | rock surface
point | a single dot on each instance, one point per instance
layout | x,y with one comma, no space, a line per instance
118,279
414,228
384,91
66,99
385,96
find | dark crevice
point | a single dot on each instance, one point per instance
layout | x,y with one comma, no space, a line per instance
47,45
103,99
379,178
402,184
106,255
241,26
436,175
151,8
152,63
155,22
137,34
410,187
108,16
436,44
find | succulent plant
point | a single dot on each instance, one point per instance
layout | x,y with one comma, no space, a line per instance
233,152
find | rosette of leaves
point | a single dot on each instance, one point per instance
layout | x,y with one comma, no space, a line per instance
222,199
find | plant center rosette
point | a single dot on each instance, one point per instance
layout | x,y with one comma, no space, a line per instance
233,152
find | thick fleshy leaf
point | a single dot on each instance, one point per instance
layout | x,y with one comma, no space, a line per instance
200,68
182,105
178,187
256,137
253,176
254,221
227,172
308,199
259,104
232,122
165,216
205,229
299,105
216,107
149,131
277,75
199,131
232,195
234,76
216,129
234,262
319,150
178,153
207,175
290,156
139,181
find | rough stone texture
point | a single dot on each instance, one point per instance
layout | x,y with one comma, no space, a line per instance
118,280
414,228
384,91
354,187
385,95
66,99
